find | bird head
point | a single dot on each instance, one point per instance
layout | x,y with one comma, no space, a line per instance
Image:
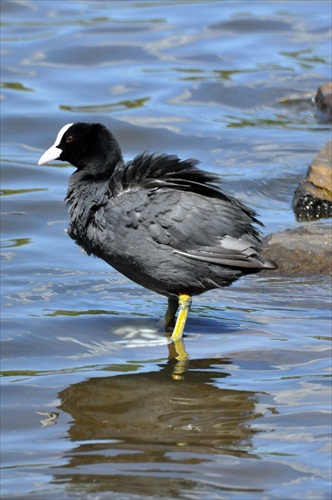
88,146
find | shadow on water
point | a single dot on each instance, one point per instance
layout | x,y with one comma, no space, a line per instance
148,426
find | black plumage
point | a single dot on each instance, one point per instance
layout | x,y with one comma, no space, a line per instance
159,220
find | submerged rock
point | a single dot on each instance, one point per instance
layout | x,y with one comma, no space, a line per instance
302,251
313,197
323,99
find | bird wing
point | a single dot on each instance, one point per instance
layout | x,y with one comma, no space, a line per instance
230,252
153,171
209,230
178,205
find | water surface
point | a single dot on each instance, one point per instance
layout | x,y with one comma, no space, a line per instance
94,403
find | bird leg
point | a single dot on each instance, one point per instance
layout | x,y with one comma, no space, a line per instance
173,305
184,302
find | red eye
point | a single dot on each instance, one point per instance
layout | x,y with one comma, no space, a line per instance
70,138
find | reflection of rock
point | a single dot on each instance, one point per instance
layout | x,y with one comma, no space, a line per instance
313,196
131,423
323,99
302,251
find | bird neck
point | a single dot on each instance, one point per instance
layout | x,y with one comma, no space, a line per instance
84,197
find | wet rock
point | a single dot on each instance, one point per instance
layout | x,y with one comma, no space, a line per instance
323,99
302,251
313,197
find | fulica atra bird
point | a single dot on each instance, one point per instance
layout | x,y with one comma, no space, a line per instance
159,220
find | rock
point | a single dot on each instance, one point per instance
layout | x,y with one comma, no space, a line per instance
323,99
303,251
313,197
307,250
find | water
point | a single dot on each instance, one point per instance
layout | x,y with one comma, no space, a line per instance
94,403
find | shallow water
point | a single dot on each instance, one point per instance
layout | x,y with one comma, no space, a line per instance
94,403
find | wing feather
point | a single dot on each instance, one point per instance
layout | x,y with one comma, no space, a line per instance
221,230
231,252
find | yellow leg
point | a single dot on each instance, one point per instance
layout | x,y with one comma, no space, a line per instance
184,305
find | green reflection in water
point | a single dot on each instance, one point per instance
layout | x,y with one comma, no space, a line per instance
67,312
63,312
107,108
305,58
130,366
15,86
11,192
16,242
259,122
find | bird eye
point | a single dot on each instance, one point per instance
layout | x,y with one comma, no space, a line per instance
70,138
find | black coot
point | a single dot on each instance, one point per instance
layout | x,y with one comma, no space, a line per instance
159,220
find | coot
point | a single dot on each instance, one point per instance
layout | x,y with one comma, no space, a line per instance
159,220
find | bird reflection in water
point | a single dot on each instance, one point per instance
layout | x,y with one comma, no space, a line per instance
128,428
